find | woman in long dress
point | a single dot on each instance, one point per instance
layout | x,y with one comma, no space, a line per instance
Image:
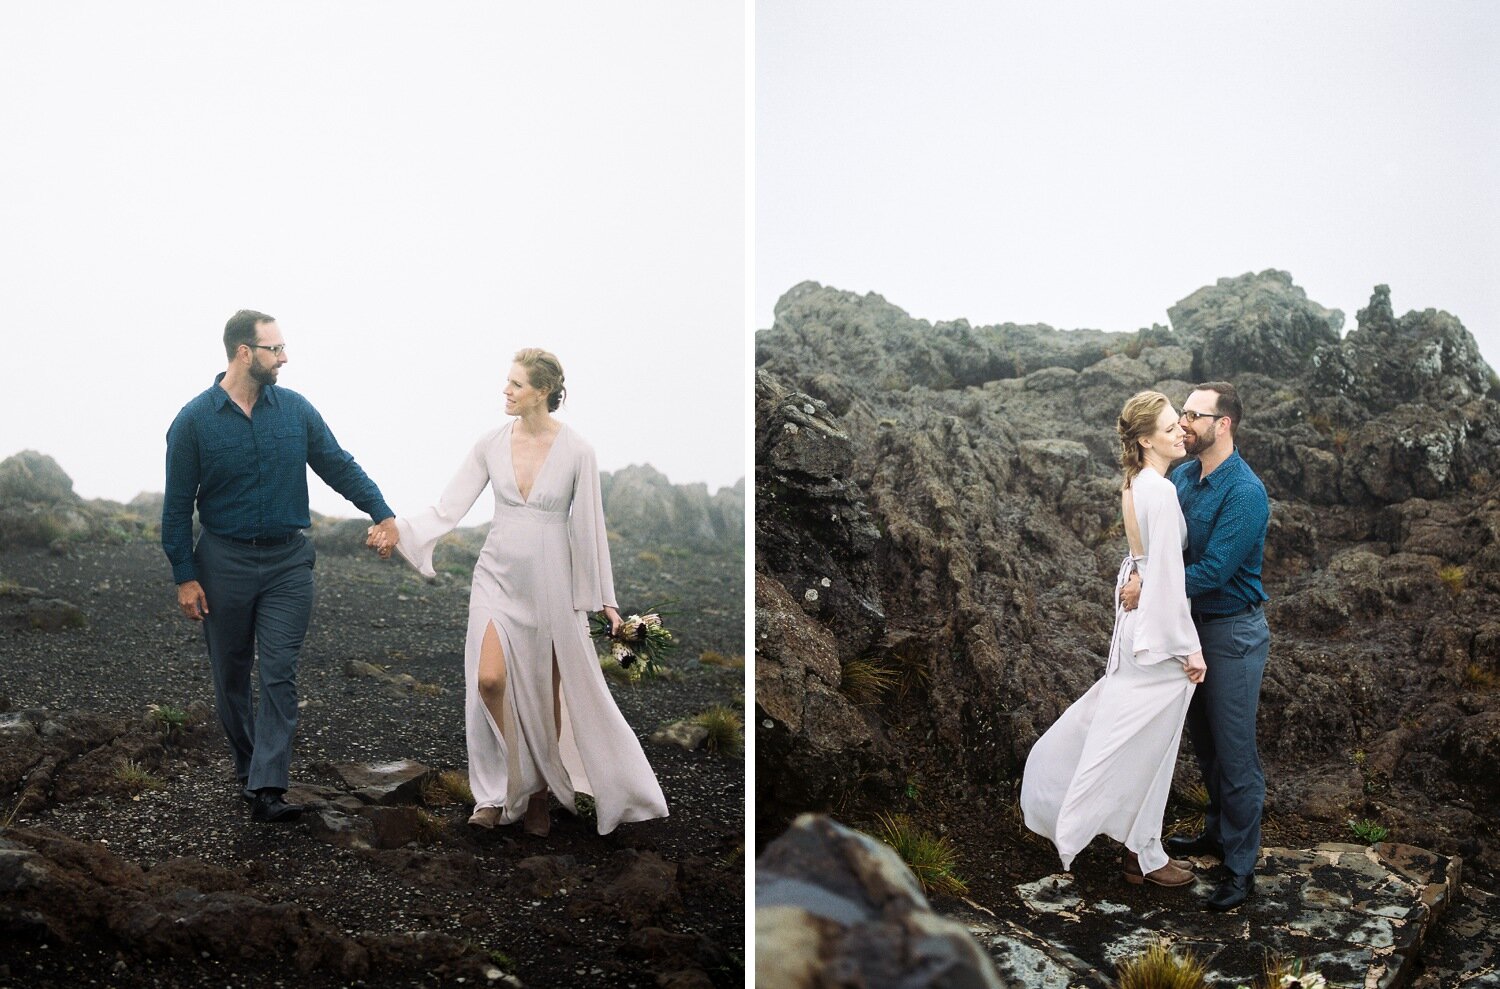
537,712
1105,766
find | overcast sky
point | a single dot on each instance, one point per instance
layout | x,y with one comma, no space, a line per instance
414,191
1089,164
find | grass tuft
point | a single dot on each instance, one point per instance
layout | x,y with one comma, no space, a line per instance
726,730
135,777
1281,973
612,670
1453,579
865,682
1369,831
430,826
1194,797
713,658
932,860
585,808
1159,967
448,787
1476,677
173,721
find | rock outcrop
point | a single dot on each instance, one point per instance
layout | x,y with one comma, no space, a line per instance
835,907
937,520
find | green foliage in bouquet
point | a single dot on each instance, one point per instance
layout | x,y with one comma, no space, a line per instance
641,643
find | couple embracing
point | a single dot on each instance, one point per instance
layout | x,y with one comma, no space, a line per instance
1190,645
539,718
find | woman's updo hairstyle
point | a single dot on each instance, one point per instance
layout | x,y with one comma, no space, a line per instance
545,372
1137,421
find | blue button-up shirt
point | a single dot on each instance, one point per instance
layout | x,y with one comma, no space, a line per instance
1226,514
248,474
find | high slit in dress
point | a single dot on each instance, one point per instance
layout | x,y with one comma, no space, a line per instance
543,567
1105,766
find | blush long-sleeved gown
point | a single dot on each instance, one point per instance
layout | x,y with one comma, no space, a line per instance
1105,766
544,566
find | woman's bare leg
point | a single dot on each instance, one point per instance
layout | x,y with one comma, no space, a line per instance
492,675
492,682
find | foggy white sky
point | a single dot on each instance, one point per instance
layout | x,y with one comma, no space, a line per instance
1089,164
414,191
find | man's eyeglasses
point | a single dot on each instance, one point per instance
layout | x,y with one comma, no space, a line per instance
1192,416
274,348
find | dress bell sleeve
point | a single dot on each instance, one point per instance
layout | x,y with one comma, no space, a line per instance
593,581
420,532
1165,628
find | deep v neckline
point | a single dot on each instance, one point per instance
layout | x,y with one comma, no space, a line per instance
510,445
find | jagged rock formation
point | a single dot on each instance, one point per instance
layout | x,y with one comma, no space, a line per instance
641,500
939,503
38,507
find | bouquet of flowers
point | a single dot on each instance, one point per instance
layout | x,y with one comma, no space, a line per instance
641,641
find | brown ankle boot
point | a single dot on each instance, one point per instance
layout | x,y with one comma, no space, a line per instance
539,814
1169,875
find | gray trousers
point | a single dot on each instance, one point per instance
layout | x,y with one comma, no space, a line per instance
1221,725
260,600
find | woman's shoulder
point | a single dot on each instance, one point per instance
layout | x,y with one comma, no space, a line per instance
1149,484
490,437
573,439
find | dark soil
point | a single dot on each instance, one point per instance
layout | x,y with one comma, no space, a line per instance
136,651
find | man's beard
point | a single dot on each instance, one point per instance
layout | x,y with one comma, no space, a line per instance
263,375
1196,444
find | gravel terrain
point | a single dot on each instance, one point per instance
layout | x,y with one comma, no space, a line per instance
532,905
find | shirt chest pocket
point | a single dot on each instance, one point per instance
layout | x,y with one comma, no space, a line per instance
225,456
288,445
1200,518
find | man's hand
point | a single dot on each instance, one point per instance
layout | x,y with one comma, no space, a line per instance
1195,667
192,600
383,537
1130,594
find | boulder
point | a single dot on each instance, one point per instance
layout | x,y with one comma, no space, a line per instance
836,907
30,476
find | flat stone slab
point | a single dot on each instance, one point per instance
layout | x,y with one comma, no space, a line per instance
397,782
1359,915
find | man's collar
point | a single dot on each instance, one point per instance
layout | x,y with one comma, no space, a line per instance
1234,455
221,396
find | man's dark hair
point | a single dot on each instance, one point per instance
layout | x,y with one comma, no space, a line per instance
241,328
1228,403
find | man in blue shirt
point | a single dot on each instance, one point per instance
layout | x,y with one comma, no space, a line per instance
240,452
1227,511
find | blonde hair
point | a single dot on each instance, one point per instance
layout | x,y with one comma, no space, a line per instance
544,371
1137,420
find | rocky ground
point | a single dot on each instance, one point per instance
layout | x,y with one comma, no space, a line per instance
937,526
175,886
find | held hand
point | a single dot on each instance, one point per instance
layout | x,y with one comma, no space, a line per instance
191,600
1130,594
1195,667
614,619
383,537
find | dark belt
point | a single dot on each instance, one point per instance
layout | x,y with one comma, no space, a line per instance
1204,616
265,540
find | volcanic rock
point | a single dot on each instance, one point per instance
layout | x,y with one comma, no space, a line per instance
938,525
836,907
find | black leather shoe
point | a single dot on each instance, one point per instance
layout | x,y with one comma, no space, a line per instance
246,794
1178,846
1231,892
270,808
